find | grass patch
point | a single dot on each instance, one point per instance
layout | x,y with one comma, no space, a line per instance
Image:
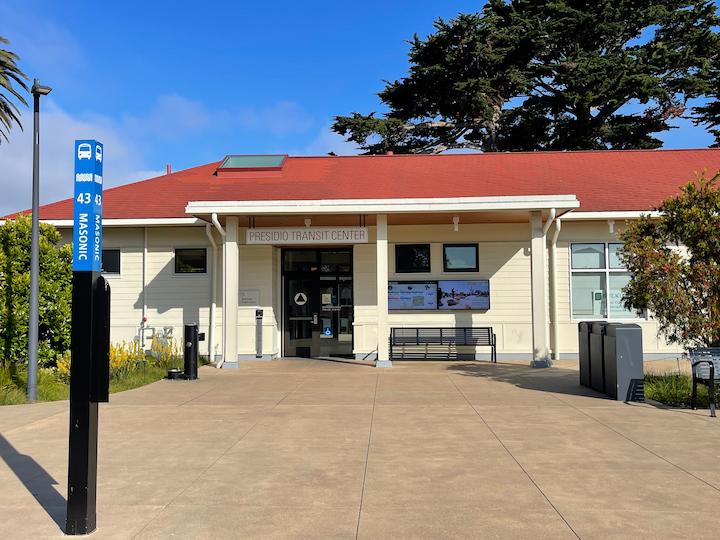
675,390
138,377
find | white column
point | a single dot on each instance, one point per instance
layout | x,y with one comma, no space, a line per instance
231,274
538,283
383,331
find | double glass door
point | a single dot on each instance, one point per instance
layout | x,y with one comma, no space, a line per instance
318,302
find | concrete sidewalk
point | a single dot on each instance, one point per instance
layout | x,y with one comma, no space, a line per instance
322,449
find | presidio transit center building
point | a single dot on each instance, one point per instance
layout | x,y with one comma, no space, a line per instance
277,256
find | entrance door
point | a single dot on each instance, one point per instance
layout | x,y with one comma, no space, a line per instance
317,302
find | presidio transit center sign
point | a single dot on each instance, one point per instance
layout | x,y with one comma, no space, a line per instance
308,235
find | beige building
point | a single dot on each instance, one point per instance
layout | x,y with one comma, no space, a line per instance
322,256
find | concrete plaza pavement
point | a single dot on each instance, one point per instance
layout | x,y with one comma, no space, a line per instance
327,449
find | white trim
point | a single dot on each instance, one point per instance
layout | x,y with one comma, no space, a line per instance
634,214
134,222
358,206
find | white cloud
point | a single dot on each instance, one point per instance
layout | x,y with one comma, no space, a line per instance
58,131
172,117
282,118
50,49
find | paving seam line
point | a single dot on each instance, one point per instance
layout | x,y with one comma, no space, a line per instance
230,447
367,456
663,458
514,458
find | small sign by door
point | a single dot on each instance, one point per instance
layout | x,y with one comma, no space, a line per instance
300,299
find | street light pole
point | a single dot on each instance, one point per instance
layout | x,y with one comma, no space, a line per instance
37,91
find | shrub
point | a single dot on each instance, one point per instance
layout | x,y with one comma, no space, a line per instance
680,288
675,390
55,287
166,352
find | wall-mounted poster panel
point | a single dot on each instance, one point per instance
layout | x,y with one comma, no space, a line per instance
457,294
412,295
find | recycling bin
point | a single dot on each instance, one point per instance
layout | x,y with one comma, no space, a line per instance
597,356
584,330
623,359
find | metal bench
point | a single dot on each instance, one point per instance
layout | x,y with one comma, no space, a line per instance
705,370
439,343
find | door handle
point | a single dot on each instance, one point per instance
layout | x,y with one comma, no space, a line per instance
315,318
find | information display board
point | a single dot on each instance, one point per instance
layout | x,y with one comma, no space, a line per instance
460,294
412,295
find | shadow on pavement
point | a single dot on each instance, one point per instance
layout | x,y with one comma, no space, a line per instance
36,480
553,379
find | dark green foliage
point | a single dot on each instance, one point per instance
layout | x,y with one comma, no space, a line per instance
675,264
548,75
54,299
675,390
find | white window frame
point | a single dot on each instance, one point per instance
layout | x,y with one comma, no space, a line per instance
190,274
113,275
607,271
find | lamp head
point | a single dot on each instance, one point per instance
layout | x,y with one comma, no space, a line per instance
39,90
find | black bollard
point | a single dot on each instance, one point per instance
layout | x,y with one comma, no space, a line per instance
191,351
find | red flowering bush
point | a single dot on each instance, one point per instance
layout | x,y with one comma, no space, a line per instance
675,264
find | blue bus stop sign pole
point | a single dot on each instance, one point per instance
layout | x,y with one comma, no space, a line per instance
90,338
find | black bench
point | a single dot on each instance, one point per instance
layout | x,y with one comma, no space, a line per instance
705,370
439,343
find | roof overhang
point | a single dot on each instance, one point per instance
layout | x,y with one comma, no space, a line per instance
383,206
619,215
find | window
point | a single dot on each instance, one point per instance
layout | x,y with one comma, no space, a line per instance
598,278
412,258
460,258
191,261
111,261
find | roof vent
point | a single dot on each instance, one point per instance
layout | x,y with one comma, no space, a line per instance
257,162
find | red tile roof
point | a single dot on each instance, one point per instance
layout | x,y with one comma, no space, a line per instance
601,180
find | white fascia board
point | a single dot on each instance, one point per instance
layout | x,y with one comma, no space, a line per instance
135,222
594,216
384,206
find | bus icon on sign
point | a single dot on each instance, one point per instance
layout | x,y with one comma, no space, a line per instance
98,153
84,151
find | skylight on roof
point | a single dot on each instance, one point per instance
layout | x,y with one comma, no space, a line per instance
253,162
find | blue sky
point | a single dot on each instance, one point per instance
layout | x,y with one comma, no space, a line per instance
188,82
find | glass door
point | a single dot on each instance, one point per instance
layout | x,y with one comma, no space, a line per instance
318,303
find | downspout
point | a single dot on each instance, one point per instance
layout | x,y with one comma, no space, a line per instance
553,291
222,235
550,282
143,323
213,294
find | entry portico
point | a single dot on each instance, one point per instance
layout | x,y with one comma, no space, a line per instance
318,223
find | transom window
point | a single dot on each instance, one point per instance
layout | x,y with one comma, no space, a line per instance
598,277
190,261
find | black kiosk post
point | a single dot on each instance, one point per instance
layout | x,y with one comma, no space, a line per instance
90,339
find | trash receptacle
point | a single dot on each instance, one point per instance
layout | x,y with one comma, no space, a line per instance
597,357
584,329
623,354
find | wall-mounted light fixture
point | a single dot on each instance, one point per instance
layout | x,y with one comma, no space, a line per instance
308,221
456,223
